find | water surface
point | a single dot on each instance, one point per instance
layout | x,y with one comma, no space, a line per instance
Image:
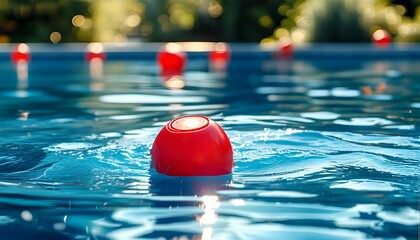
325,148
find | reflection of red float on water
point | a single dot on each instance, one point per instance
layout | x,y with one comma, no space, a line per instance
381,38
167,74
380,89
21,52
173,82
95,52
171,59
192,146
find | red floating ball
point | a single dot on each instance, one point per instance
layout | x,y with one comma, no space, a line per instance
171,58
192,146
284,49
381,38
221,52
21,52
219,57
287,49
95,52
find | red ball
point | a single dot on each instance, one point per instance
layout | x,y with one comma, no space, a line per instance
171,58
95,51
284,49
221,52
21,52
287,49
381,38
192,146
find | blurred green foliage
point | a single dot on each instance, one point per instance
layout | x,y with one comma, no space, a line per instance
334,21
207,20
253,19
34,21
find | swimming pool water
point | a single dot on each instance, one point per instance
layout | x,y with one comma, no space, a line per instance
325,148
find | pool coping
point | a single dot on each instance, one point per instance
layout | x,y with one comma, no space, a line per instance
139,51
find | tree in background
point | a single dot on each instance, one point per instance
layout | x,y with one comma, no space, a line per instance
207,20
44,21
350,21
249,21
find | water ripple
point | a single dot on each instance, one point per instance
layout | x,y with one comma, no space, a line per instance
150,99
301,153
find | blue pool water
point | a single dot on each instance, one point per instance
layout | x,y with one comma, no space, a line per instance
326,146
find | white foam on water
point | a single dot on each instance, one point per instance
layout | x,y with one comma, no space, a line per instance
70,146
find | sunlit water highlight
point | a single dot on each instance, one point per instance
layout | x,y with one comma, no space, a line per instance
323,150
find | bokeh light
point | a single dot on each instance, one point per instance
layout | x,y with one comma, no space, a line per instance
346,21
55,37
215,9
78,20
207,20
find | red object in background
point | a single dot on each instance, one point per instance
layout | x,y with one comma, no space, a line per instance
171,59
284,49
192,146
219,57
381,38
95,51
221,52
167,74
21,52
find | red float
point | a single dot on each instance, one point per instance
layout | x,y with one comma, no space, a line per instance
284,49
171,59
381,38
192,146
220,53
95,52
21,52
